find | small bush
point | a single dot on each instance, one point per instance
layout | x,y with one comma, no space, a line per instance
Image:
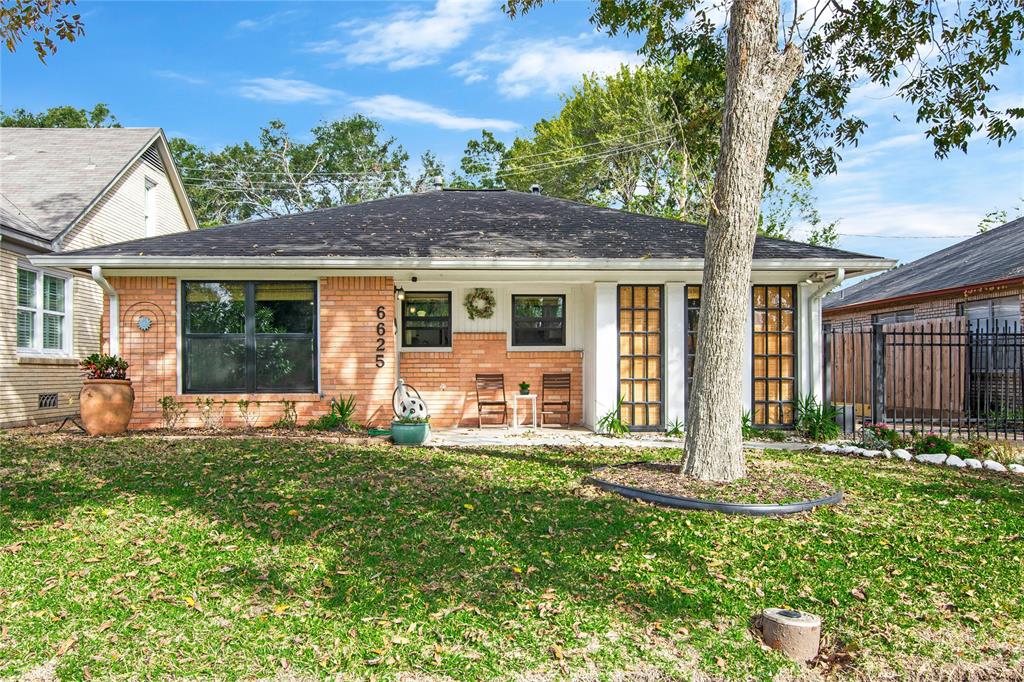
880,435
340,418
102,366
675,429
611,424
249,411
749,432
815,421
211,412
934,443
289,418
171,410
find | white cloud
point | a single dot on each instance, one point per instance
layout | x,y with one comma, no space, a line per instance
262,23
411,37
286,90
396,108
548,66
183,77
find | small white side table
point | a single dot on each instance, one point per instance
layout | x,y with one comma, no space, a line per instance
515,408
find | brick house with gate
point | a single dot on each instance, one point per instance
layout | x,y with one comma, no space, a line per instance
347,300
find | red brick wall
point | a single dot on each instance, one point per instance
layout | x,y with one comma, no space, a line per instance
447,381
348,352
924,309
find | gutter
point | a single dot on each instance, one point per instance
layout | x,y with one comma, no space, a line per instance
348,263
829,285
115,307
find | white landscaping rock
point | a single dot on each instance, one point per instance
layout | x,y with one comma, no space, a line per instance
902,454
886,454
870,453
993,465
932,458
955,462
1017,469
828,447
972,463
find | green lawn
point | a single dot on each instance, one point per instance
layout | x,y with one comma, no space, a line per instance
252,558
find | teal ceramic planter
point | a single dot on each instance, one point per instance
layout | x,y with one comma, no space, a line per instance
409,434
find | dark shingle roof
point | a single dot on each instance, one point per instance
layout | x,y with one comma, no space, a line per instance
455,224
48,176
991,256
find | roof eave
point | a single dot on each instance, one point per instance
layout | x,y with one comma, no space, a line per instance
860,265
922,295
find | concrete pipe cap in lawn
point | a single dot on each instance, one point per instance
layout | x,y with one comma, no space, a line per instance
794,633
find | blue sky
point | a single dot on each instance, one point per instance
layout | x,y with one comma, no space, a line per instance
435,72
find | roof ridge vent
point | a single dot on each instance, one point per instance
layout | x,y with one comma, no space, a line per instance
438,182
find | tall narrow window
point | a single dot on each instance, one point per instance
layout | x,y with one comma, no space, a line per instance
692,326
774,370
538,320
42,313
150,208
427,319
249,337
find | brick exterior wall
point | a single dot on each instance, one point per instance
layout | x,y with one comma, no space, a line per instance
447,381
932,308
348,350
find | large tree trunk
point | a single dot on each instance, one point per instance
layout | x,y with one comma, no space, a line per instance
758,75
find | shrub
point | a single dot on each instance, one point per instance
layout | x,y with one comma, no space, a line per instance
172,411
749,432
102,366
340,418
675,429
289,416
981,448
611,424
933,442
815,421
880,435
249,411
211,413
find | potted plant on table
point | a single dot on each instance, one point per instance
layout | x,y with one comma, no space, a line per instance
524,388
410,430
107,397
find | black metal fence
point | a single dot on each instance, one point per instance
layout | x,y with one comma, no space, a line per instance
935,376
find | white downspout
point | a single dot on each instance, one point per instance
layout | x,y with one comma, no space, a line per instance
815,337
115,325
829,285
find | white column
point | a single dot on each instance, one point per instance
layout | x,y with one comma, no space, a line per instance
675,351
606,356
748,355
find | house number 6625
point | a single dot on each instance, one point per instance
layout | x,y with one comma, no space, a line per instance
381,329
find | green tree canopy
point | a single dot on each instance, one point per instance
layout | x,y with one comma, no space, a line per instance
44,22
60,117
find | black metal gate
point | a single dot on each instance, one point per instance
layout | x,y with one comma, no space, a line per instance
936,376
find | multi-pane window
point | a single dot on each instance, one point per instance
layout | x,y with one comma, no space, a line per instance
774,370
993,321
992,314
538,320
246,337
893,317
42,315
427,319
692,326
640,357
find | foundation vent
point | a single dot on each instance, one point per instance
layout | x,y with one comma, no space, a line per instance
47,401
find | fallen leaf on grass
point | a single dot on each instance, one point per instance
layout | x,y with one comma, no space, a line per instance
66,645
858,593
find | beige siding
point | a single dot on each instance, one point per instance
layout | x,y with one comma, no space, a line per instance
121,214
118,216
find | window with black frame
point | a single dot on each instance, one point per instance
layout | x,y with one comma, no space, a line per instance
248,337
692,326
427,319
538,320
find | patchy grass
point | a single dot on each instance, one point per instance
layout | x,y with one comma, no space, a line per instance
147,557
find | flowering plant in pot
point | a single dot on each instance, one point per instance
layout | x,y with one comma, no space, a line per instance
107,397
410,430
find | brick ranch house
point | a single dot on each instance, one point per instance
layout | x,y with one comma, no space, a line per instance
347,300
980,279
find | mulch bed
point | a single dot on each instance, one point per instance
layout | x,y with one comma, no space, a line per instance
767,482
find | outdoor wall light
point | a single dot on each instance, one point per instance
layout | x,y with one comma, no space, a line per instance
400,293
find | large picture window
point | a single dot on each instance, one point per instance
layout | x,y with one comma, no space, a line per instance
427,319
538,320
42,318
249,337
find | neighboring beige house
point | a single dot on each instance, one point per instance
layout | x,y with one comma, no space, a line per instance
63,189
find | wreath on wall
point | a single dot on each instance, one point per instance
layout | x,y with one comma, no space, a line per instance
479,302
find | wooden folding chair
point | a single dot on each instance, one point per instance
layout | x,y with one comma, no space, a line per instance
488,389
556,396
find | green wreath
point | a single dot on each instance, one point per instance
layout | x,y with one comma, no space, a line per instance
479,302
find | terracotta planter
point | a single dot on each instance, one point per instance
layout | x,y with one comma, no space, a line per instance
106,405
